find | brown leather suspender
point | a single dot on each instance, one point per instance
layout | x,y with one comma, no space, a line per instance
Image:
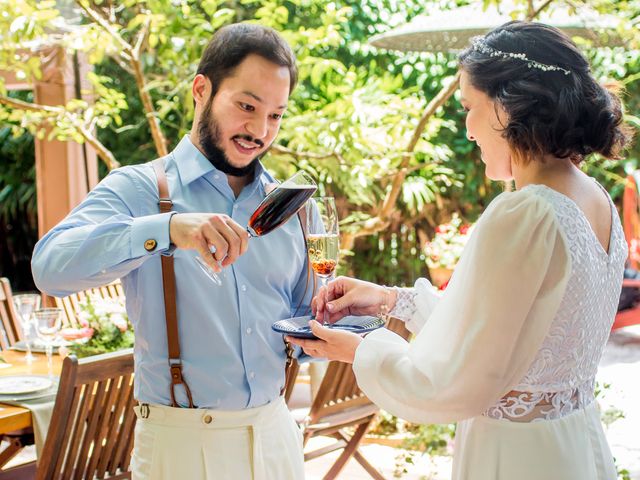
169,287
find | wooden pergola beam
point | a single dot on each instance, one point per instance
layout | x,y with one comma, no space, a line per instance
65,170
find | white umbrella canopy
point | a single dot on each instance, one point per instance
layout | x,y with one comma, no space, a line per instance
450,30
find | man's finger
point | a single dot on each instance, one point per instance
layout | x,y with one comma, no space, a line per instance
222,226
213,238
242,234
205,252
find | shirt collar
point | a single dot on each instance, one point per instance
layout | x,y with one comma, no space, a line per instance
192,164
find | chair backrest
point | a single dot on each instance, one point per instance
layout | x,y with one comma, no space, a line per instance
339,391
71,304
91,431
10,331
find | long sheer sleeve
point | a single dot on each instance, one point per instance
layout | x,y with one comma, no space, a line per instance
486,329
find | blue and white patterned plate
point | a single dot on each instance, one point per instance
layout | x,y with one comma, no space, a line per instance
299,326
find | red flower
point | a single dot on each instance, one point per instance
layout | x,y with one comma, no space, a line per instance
464,229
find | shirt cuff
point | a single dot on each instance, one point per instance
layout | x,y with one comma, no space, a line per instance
150,234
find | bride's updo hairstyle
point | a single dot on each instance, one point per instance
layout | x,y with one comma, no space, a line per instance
554,104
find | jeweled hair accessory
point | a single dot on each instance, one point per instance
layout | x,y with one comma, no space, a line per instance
481,46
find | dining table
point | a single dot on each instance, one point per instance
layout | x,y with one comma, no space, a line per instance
12,417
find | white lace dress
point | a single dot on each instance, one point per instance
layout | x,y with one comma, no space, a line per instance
511,349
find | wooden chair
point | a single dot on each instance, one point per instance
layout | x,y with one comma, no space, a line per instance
631,225
91,432
71,304
10,334
9,324
338,408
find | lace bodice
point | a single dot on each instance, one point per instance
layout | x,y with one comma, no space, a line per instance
561,377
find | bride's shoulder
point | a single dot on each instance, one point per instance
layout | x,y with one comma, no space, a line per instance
528,203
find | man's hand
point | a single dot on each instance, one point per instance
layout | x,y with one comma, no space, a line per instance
201,231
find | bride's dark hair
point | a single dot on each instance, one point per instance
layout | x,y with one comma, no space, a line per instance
549,112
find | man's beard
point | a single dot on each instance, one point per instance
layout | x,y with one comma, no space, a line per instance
209,133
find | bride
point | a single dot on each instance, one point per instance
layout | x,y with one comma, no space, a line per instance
511,349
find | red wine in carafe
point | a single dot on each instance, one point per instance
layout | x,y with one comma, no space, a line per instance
278,207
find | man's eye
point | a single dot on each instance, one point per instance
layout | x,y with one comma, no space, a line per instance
276,116
247,107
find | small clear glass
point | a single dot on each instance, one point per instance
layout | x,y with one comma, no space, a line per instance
275,209
25,305
323,237
48,323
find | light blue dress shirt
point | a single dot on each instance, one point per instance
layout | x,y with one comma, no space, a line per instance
232,359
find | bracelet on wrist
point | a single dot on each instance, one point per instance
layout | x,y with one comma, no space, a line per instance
384,306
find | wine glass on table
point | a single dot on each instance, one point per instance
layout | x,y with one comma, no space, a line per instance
275,209
48,323
323,241
25,305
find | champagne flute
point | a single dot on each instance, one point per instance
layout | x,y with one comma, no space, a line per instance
274,210
323,243
25,305
48,323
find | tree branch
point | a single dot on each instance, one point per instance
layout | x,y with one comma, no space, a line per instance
132,55
105,155
534,13
381,220
106,26
314,156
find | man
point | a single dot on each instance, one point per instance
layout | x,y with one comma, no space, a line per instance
232,363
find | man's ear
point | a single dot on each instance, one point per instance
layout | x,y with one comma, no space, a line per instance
200,89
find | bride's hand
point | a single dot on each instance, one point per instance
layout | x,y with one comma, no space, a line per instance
349,296
331,344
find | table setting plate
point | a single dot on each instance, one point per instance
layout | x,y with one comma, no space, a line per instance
299,326
12,385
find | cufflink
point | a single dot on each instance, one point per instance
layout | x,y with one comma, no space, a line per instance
150,245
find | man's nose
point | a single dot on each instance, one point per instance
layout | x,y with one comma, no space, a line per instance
257,127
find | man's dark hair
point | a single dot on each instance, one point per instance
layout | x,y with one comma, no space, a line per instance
230,45
550,112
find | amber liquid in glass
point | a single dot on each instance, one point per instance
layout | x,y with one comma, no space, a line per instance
323,250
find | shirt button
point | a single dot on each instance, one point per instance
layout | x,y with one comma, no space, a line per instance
243,288
207,419
150,245
216,176
252,375
249,331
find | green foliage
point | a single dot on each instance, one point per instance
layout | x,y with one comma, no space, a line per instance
432,439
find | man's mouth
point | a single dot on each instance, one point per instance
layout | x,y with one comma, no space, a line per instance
245,146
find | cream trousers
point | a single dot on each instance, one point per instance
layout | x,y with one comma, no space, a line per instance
261,443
